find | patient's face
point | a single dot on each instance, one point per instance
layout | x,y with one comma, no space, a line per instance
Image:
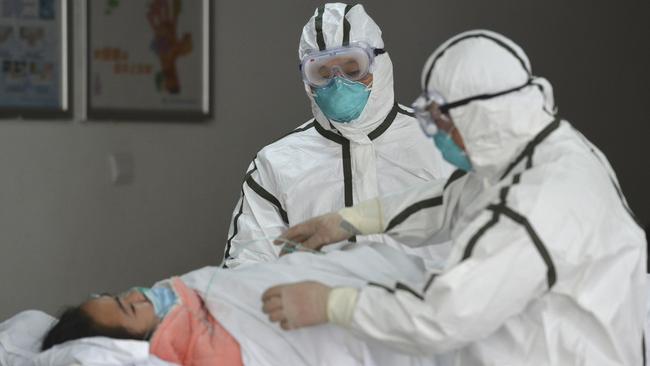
130,310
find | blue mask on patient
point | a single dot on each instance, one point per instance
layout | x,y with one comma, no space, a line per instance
162,298
451,152
342,100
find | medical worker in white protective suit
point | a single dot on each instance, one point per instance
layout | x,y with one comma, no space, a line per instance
548,263
360,143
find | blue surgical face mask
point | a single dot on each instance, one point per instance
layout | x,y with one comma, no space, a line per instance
451,152
162,298
342,100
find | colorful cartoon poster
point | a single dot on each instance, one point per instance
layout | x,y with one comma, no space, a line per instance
148,56
33,55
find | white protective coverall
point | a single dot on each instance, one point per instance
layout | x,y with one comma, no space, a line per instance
548,263
323,166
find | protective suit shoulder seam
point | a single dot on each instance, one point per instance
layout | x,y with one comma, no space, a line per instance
262,192
235,223
551,274
298,130
529,149
616,185
235,220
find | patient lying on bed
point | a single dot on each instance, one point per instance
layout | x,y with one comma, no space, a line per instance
186,334
216,315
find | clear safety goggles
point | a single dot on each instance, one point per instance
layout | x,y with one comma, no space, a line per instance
429,113
353,62
432,110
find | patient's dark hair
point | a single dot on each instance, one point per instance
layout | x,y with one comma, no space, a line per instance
74,323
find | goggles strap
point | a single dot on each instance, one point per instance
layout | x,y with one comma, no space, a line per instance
446,107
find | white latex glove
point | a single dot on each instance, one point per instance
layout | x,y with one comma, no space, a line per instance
317,232
297,305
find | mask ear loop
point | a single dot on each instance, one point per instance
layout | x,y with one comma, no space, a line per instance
369,86
451,131
450,136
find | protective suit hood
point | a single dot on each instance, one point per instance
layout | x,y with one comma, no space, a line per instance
329,24
496,129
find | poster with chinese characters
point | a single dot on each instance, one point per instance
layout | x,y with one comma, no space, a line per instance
33,56
148,59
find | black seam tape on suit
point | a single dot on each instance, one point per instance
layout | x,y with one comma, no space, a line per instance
346,26
388,121
346,154
530,147
236,218
468,36
248,174
501,208
374,134
346,161
457,174
412,209
398,286
347,178
332,136
430,282
318,24
551,274
619,192
301,129
269,197
474,239
403,287
392,291
404,111
347,174
445,108
307,127
235,231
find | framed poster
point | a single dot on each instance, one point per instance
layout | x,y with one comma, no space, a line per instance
149,59
34,55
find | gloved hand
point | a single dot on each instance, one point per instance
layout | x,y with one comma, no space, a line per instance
317,232
297,305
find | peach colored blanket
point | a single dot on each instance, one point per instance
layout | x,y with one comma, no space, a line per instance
190,336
